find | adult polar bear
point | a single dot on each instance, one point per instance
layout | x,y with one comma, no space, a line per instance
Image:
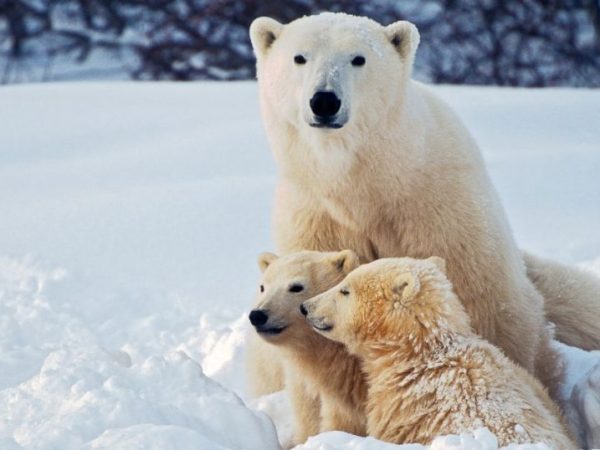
373,161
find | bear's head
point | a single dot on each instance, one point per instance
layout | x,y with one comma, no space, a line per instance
289,280
332,74
398,301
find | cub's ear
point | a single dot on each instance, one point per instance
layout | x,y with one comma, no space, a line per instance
439,262
404,36
405,286
265,259
263,32
346,261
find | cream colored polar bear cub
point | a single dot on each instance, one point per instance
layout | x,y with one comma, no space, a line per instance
428,373
374,161
325,383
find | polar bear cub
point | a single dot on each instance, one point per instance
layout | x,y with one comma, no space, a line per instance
326,385
428,373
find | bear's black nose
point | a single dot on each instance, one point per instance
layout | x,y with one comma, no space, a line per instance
258,317
303,310
325,104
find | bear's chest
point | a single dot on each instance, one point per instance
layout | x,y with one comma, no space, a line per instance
392,225
385,224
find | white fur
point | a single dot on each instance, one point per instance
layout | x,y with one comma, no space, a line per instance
402,177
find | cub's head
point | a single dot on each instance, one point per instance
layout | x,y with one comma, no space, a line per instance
393,300
332,73
286,282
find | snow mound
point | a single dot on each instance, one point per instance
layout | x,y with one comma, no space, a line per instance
481,439
82,394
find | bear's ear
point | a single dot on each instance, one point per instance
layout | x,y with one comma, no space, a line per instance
404,36
265,259
263,32
439,262
346,261
405,286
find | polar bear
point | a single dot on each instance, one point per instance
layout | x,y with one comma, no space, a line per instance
428,373
373,161
326,386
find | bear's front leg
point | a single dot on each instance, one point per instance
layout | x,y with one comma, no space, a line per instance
307,408
336,417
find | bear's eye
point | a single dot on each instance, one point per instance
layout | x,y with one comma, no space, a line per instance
299,59
262,288
296,288
344,292
358,61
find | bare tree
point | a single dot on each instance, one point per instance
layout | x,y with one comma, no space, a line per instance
520,43
524,43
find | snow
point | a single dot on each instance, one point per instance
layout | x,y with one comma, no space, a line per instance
131,217
480,439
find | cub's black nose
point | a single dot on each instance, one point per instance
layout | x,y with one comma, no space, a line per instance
303,310
325,104
258,317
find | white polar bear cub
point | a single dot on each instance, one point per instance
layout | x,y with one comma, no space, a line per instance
373,161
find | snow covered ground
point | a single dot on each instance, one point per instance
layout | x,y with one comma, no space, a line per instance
131,215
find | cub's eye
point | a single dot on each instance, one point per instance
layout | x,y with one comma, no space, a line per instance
299,59
344,292
358,61
262,288
296,288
